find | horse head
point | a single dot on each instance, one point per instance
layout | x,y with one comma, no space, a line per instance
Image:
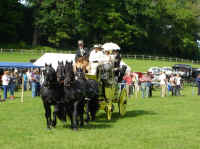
49,76
69,74
60,72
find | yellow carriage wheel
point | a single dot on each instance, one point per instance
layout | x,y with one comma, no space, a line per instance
122,102
109,109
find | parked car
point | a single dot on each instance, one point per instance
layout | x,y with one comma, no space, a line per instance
183,69
195,72
167,70
155,70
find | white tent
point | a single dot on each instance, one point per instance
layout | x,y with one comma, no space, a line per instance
53,58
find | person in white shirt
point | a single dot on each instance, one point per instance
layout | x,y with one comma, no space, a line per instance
28,73
163,80
95,58
106,57
5,83
178,85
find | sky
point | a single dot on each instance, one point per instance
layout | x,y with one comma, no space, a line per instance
23,1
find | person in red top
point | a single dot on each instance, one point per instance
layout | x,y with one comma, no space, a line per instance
145,85
129,80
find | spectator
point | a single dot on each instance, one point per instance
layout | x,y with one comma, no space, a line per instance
149,84
198,84
172,82
12,85
163,84
38,83
128,79
136,84
5,83
28,73
178,85
145,85
17,82
25,79
34,83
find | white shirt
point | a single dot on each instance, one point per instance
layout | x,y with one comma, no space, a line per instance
128,67
5,80
178,80
162,79
28,75
95,56
82,51
106,59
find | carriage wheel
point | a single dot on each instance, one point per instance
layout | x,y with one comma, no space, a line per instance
109,109
122,102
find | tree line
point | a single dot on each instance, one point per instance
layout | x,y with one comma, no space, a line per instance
156,27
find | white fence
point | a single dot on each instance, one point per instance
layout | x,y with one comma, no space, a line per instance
130,56
170,59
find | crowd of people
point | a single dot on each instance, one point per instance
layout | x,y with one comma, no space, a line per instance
12,80
169,84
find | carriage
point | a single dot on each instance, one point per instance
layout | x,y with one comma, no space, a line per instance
110,92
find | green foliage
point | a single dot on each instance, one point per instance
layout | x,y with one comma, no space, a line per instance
164,27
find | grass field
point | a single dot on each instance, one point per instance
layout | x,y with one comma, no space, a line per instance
155,123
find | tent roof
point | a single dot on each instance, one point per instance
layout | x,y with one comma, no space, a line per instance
53,58
16,65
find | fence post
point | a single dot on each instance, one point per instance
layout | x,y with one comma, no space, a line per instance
135,57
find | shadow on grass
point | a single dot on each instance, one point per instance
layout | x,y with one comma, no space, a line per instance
101,121
115,116
138,113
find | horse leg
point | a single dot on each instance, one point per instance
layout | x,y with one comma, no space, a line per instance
71,119
81,113
48,115
94,105
75,116
87,112
54,122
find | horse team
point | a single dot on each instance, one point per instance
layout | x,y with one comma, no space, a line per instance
69,92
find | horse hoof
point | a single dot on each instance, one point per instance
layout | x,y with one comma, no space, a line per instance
48,128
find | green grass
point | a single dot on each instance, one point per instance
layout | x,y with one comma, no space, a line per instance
163,123
155,123
18,57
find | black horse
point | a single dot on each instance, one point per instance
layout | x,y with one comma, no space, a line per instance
52,95
60,72
74,94
92,94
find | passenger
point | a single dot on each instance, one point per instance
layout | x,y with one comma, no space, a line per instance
106,57
95,58
86,66
78,64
